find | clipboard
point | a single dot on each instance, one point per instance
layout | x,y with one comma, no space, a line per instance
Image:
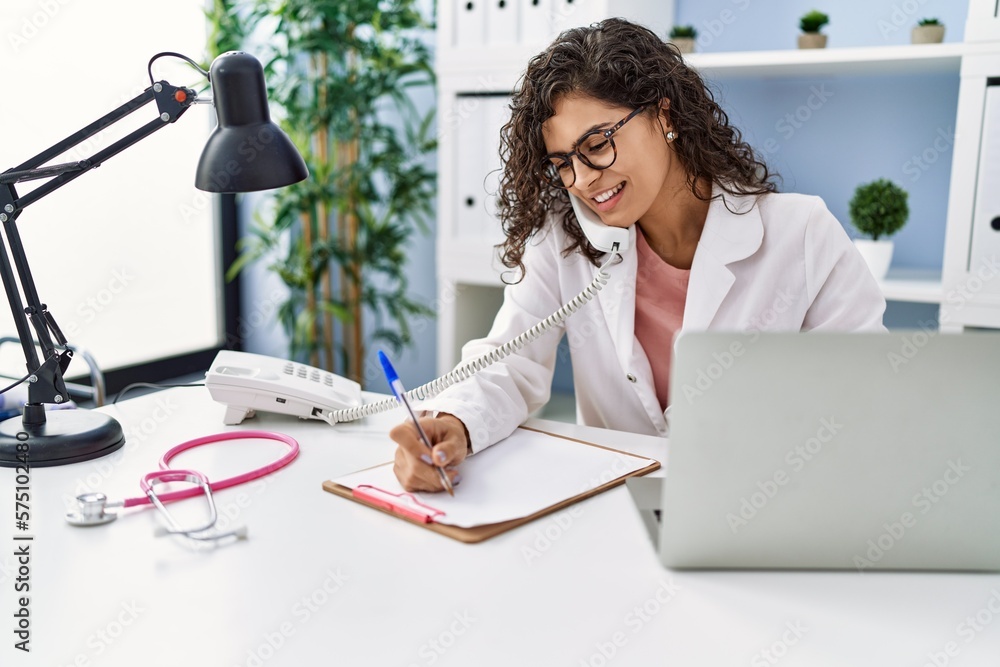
407,507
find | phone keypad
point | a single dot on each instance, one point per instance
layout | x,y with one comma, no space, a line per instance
309,373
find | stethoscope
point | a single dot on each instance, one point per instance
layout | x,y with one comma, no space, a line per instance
91,507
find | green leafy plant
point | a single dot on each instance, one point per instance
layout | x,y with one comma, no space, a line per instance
813,21
340,76
683,32
928,22
879,208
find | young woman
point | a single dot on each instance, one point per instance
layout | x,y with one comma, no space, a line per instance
612,115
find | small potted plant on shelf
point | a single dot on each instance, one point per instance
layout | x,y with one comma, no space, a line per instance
878,210
810,24
927,31
683,36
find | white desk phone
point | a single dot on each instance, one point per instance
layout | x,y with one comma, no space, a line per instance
247,382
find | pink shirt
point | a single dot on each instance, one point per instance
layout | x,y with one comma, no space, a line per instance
660,291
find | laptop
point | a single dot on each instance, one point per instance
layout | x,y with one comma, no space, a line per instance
830,451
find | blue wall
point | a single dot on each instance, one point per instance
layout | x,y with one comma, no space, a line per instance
756,25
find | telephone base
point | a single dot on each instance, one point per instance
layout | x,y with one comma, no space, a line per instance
236,414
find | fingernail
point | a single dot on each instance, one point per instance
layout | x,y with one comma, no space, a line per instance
456,480
426,459
440,456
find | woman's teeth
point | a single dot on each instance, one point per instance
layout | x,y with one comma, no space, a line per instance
605,196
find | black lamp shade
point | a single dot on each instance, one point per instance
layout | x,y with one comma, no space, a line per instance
246,152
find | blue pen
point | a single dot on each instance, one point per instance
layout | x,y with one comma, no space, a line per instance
397,390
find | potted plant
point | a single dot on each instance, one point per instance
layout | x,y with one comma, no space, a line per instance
927,31
810,24
683,36
340,76
878,210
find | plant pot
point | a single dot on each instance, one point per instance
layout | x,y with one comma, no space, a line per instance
877,255
812,40
684,44
927,34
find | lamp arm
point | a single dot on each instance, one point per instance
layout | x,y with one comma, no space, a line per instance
171,101
47,384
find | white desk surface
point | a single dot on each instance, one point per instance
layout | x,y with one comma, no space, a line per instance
322,580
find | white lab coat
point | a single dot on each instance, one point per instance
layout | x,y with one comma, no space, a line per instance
785,264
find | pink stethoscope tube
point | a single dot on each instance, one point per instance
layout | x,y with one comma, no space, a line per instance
166,473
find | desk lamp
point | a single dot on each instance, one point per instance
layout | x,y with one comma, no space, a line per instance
246,152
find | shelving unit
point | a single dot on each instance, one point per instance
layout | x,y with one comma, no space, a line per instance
473,82
913,286
857,61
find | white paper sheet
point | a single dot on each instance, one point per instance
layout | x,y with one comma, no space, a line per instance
524,474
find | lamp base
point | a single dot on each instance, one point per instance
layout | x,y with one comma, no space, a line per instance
67,436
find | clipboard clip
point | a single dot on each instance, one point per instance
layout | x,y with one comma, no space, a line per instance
404,504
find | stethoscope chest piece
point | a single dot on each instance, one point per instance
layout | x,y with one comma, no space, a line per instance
90,511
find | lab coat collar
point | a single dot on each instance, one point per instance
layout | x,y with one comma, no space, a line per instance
617,300
733,231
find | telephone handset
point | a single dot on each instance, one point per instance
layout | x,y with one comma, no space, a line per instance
247,382
601,236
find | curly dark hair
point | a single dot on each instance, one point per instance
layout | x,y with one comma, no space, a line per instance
625,65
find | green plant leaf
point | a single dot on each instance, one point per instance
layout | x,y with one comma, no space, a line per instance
879,208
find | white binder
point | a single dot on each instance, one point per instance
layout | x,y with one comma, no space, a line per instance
984,252
501,22
470,23
496,112
471,159
536,22
574,13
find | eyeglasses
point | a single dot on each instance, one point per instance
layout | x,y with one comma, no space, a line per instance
596,149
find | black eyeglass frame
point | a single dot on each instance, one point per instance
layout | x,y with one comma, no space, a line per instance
548,162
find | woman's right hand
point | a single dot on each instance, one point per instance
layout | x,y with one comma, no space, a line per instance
416,466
